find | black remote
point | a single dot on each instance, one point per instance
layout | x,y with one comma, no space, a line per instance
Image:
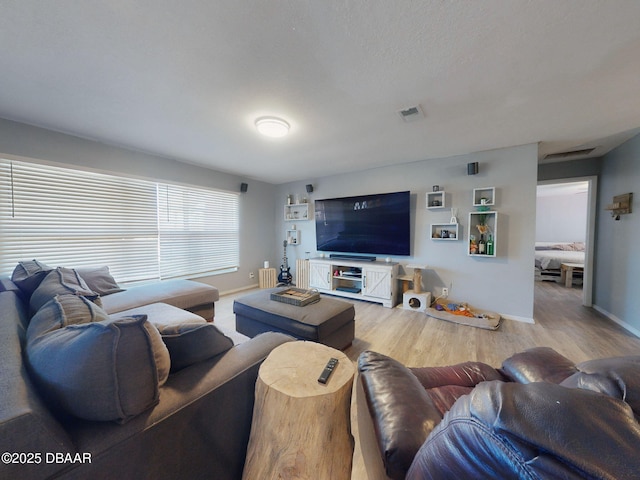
328,370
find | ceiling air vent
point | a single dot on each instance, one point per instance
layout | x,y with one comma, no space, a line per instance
572,153
412,113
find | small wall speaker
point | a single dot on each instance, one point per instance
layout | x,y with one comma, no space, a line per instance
244,187
472,168
309,188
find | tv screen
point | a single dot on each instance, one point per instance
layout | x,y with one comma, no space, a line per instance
377,224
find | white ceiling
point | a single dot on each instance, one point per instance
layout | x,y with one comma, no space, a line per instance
186,78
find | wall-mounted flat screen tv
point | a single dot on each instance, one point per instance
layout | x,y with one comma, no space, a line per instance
373,224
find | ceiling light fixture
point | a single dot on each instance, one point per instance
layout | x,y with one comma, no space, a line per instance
272,126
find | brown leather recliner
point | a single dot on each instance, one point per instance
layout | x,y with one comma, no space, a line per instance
539,416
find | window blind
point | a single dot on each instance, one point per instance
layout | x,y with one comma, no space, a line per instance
74,218
199,230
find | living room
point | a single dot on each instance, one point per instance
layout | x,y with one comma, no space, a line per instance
512,165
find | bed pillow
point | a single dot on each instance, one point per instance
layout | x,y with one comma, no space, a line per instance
59,282
190,343
28,274
99,280
101,371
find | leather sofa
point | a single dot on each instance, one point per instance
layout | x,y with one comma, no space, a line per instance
538,416
172,399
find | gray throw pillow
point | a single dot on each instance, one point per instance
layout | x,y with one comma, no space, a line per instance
99,280
101,371
190,343
59,282
28,274
62,311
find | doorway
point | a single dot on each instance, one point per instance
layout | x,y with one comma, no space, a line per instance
565,219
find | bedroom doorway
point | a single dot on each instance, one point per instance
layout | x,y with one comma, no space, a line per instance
565,229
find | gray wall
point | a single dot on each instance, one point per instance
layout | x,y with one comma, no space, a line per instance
503,284
561,218
617,259
256,215
572,168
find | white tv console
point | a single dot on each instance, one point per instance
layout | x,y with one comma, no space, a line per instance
374,281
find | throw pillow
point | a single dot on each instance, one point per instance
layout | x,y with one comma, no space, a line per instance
190,343
62,311
28,275
99,280
59,282
101,371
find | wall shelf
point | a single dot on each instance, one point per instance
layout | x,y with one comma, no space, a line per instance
444,231
293,237
296,211
483,225
484,196
436,199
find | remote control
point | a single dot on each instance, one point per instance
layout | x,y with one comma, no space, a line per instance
328,370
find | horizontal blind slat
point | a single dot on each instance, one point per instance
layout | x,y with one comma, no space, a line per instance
140,229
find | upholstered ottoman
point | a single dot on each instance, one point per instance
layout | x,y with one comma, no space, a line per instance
329,321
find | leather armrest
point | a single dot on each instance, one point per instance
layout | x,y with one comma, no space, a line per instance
403,414
618,377
540,364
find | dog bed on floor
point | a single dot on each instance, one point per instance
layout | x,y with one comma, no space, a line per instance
465,315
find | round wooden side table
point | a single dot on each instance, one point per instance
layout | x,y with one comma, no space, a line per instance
301,428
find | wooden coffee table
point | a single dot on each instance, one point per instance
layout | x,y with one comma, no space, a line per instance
301,428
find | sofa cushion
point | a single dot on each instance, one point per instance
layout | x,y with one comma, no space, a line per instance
183,294
107,370
162,314
28,274
6,285
539,430
190,343
61,311
99,280
446,384
58,282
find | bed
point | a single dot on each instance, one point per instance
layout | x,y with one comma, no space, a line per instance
549,256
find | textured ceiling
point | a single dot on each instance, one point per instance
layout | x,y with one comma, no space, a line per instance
186,79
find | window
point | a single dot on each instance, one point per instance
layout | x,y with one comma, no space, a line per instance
141,229
199,230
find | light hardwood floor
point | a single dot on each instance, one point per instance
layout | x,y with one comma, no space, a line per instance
415,339
578,332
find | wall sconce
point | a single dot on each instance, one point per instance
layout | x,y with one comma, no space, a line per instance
309,188
621,205
472,168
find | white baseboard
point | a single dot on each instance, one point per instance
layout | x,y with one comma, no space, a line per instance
237,290
617,320
519,319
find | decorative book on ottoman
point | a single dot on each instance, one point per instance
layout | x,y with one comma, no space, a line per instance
296,296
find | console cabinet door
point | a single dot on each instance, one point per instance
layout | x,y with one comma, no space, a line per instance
320,275
377,282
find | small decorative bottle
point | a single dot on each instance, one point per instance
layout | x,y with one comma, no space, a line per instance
482,246
490,245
